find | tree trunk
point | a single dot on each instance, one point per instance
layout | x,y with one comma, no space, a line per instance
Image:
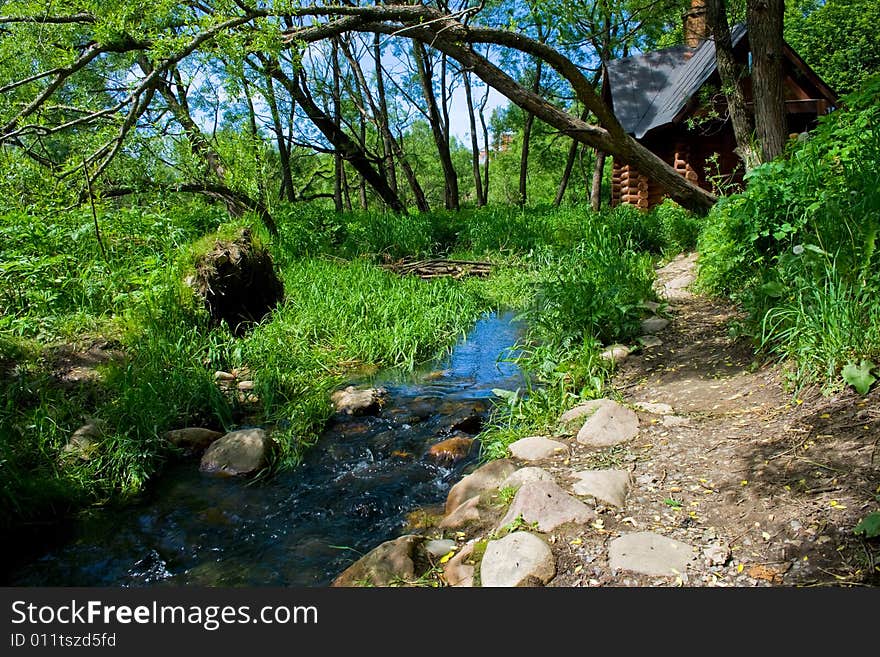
732,75
596,187
475,144
436,121
569,166
382,118
764,19
485,128
287,190
345,146
338,164
527,138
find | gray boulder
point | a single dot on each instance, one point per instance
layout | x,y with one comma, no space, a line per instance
610,486
526,475
192,440
484,478
352,401
241,452
518,559
609,425
650,554
392,562
546,505
536,448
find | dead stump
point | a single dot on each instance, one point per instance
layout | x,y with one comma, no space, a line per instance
238,282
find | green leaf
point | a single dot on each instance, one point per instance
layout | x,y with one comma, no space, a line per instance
859,376
869,525
773,289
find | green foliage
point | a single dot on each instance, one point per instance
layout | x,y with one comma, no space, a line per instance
798,247
860,376
869,526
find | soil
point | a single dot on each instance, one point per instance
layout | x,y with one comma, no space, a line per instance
769,483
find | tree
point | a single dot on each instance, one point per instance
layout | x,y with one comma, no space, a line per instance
172,34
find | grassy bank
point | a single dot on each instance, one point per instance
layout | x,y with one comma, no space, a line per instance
577,277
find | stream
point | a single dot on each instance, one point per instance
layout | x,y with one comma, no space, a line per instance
303,526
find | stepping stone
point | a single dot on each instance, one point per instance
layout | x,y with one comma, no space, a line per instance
616,353
610,424
610,486
487,477
527,475
518,559
650,341
536,448
545,504
654,408
649,554
352,401
654,325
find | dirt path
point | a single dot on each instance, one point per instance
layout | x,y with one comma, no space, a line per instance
766,486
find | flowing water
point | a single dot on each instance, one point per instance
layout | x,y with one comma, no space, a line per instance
303,526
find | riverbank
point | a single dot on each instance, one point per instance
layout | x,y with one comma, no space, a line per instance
729,480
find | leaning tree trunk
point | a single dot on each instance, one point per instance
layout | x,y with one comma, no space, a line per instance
764,19
596,186
569,166
338,164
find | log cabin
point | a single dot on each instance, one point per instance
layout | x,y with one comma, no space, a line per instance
671,102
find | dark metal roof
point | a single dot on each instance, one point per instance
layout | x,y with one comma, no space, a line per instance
649,90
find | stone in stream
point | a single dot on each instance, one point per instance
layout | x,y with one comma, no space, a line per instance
391,562
467,418
451,450
545,505
536,448
649,554
192,440
352,401
610,424
654,324
485,478
518,559
525,476
237,453
610,486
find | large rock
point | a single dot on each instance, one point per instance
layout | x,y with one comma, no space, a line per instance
579,412
609,425
82,444
467,513
518,559
650,554
610,486
352,401
192,440
526,475
392,562
484,478
536,448
546,505
237,453
451,450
